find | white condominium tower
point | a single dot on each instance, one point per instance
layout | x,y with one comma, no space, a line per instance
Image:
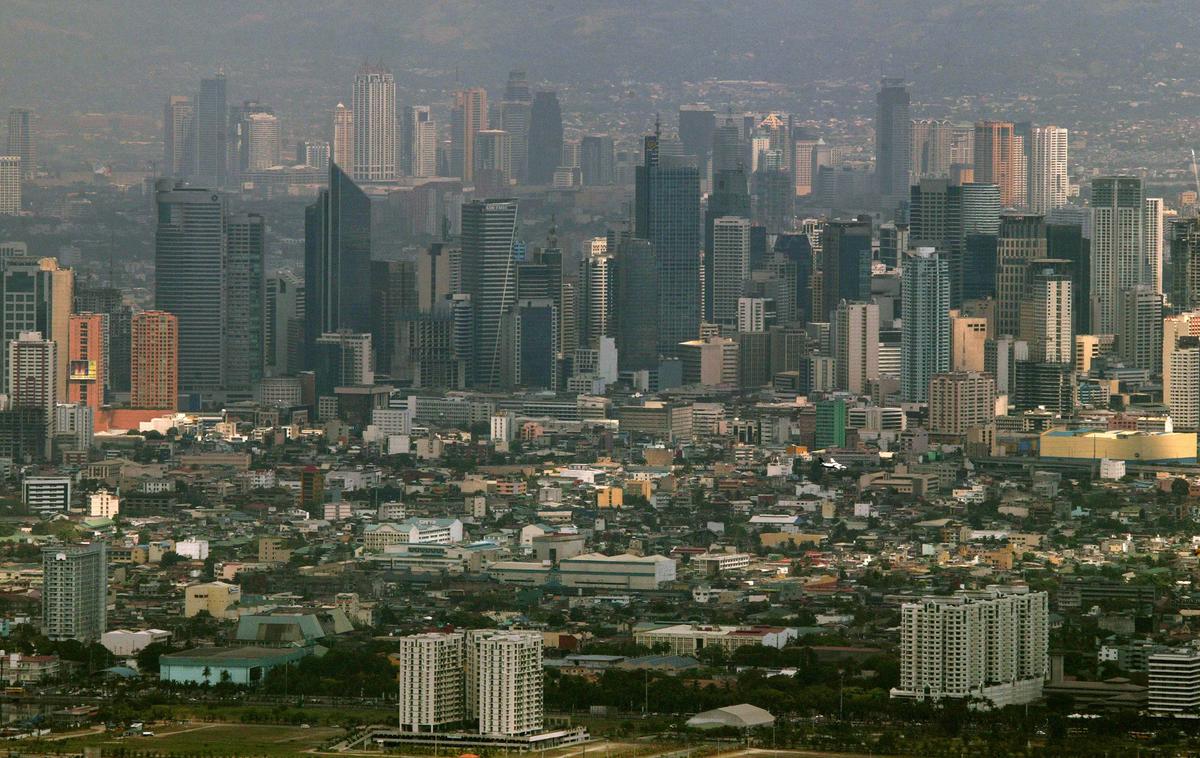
1118,246
1048,181
988,645
374,115
431,681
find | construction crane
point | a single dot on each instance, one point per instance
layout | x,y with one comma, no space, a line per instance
1195,173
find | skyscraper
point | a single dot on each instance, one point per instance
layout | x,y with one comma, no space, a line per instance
431,681
468,117
599,280
1118,246
545,137
1067,242
1185,264
1140,327
374,107
855,336
696,125
925,346
1046,321
960,401
892,137
337,261
245,294
636,323
211,132
75,592
1048,181
418,142
38,296
10,185
262,141
730,197
190,260
846,262
154,361
33,379
284,342
597,161
1022,239
998,160
731,268
342,142
667,213
1153,225
489,277
493,159
516,110
22,139
179,136
86,359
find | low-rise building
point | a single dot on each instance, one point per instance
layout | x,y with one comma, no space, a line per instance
217,599
626,572
690,639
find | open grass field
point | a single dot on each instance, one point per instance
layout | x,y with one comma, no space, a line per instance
198,739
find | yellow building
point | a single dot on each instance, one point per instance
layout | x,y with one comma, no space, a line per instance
217,598
610,497
271,550
1121,445
639,488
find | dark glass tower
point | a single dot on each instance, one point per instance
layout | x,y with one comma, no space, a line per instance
545,138
489,276
337,260
730,196
245,295
846,262
893,129
667,209
211,135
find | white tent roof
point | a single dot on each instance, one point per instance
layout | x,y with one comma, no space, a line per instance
743,716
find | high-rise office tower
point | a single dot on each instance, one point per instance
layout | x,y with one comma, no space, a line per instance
342,140
797,249
998,160
960,401
10,185
925,346
597,160
418,142
636,323
515,115
756,314
337,261
599,294
38,296
1185,264
932,149
393,296
530,345
892,137
1048,182
262,141
1046,321
489,277
1022,239
154,361
855,334
1067,242
75,592
1153,226
667,213
1118,246
989,644
545,137
730,196
190,260
727,152
467,118
211,132
284,341
943,214
1140,327
245,295
33,379
433,276
731,268
86,359
22,139
696,125
343,359
968,335
179,136
492,149
314,153
846,262
893,241
109,302
374,107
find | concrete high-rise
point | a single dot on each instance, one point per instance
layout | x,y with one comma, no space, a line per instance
10,185
730,196
468,117
636,323
855,329
22,140
418,142
337,260
968,335
374,107
489,277
599,295
667,214
1022,239
960,401
75,592
999,161
38,296
1153,226
211,132
245,295
33,379
731,268
1048,180
283,344
597,160
262,141
1118,246
925,345
1140,327
1181,369
1046,321
1184,287
86,359
545,137
179,137
342,140
846,262
893,127
989,644
431,677
154,361
493,159
190,261
516,111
